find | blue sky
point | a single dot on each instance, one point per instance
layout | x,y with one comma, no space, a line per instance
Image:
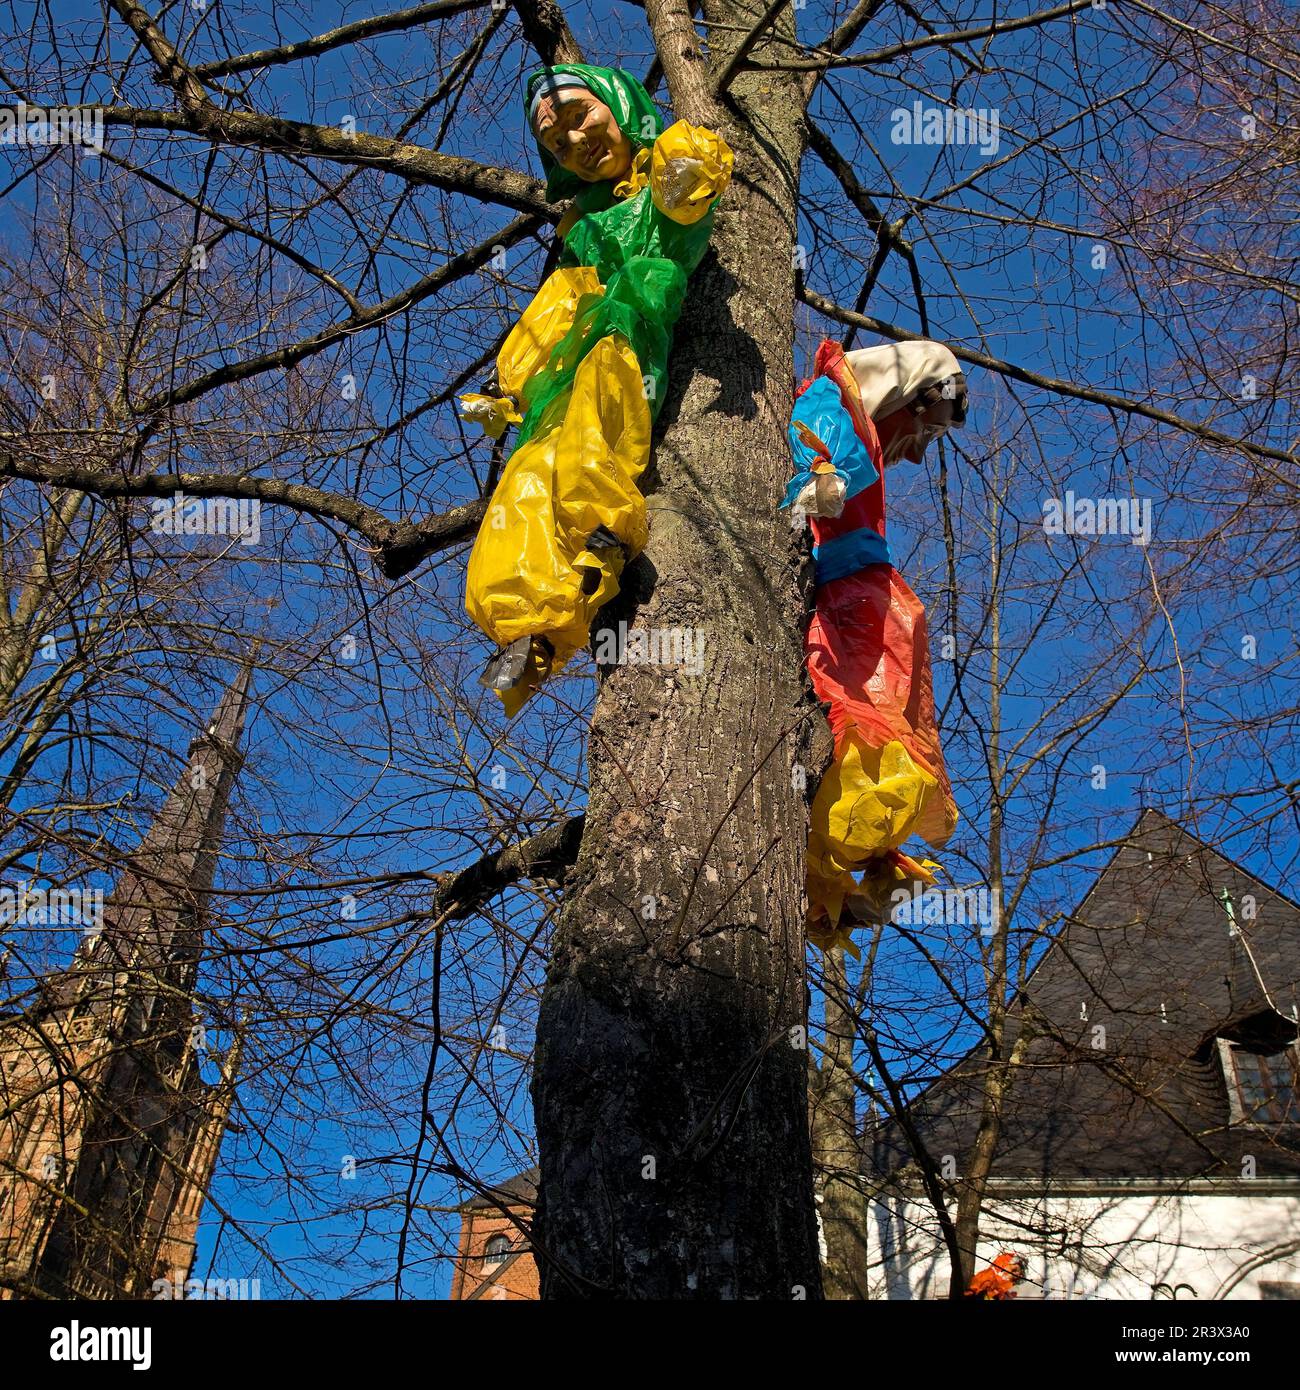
1030,296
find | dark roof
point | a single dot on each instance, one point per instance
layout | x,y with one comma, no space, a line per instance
1153,958
519,1191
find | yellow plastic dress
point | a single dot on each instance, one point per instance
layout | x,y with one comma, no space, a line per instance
567,513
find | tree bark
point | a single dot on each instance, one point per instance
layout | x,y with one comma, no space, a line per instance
670,1084
837,1147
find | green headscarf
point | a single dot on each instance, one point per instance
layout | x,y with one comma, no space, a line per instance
635,113
641,256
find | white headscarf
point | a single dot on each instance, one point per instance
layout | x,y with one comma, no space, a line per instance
890,375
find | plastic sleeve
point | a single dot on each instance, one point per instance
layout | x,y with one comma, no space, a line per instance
689,170
823,440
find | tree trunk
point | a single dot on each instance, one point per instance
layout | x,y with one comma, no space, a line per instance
979,1162
837,1147
670,1085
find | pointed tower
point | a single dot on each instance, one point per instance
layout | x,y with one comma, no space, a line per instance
108,1132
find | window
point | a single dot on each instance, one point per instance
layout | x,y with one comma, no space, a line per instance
1263,1088
495,1251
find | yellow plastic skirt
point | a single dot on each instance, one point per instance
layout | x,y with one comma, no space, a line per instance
528,347
869,802
533,568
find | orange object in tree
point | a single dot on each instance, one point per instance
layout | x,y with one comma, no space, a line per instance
998,1282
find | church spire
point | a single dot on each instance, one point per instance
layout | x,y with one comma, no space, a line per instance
153,925
108,1130
187,831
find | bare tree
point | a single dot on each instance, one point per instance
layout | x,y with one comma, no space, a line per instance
298,251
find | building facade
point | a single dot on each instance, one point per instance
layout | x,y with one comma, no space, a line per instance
1150,1143
492,1256
109,1132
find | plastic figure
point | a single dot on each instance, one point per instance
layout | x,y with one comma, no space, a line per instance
866,645
583,372
998,1282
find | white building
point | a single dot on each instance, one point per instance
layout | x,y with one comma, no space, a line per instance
1151,1139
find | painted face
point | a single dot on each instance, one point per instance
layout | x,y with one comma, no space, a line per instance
581,135
907,432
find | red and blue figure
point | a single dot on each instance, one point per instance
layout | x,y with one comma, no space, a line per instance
866,646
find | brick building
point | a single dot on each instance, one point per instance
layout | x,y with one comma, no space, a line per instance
109,1132
493,1259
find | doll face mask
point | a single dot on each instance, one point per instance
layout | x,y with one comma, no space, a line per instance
906,433
582,136
914,391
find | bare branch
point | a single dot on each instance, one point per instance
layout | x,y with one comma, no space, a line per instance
338,38
1062,388
887,232
854,23
398,545
243,228
173,70
954,36
447,274
824,148
737,59
546,855
545,28
413,163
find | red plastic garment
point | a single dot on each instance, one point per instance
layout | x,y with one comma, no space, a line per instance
998,1282
868,656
